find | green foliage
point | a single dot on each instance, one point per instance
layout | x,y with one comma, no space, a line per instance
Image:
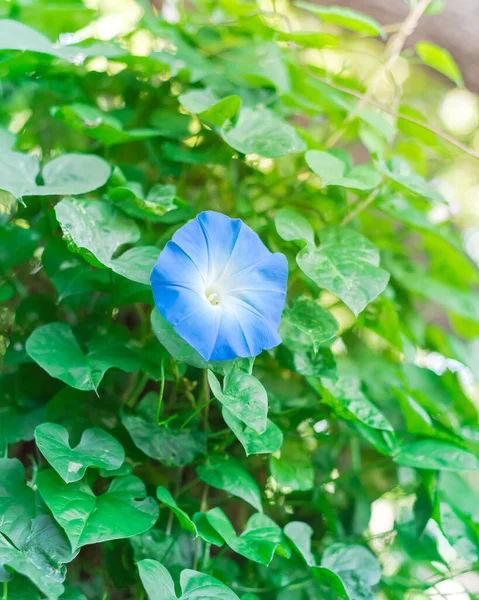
341,464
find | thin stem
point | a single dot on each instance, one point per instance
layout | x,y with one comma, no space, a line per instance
355,454
340,88
138,386
391,53
206,398
197,411
5,591
442,134
170,546
161,394
360,207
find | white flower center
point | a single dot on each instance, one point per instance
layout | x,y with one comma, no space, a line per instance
213,295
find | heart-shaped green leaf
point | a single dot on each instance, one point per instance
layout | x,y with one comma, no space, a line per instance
346,264
97,448
194,585
97,230
291,226
332,171
65,175
121,512
55,349
308,322
173,447
210,108
262,132
99,125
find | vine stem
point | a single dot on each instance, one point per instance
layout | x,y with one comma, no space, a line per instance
197,411
391,53
206,403
364,97
360,207
161,393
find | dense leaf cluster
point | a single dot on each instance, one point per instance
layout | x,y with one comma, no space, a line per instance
132,466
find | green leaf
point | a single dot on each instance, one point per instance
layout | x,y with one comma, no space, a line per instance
99,125
18,420
292,226
55,349
297,354
20,588
439,59
41,557
433,454
67,174
257,64
163,202
346,398
407,211
345,17
346,264
171,123
71,275
456,490
194,585
229,475
262,132
205,531
121,512
259,540
331,170
356,566
164,496
97,230
300,535
17,506
308,323
292,468
17,245
173,447
17,36
459,532
399,171
210,108
156,580
244,396
25,565
457,301
254,443
97,448
334,583
309,39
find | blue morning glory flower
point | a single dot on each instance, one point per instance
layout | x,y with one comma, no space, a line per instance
221,288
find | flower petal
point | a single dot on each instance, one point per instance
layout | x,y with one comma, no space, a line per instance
200,329
221,234
247,254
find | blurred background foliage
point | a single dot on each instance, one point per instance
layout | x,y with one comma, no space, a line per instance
373,435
